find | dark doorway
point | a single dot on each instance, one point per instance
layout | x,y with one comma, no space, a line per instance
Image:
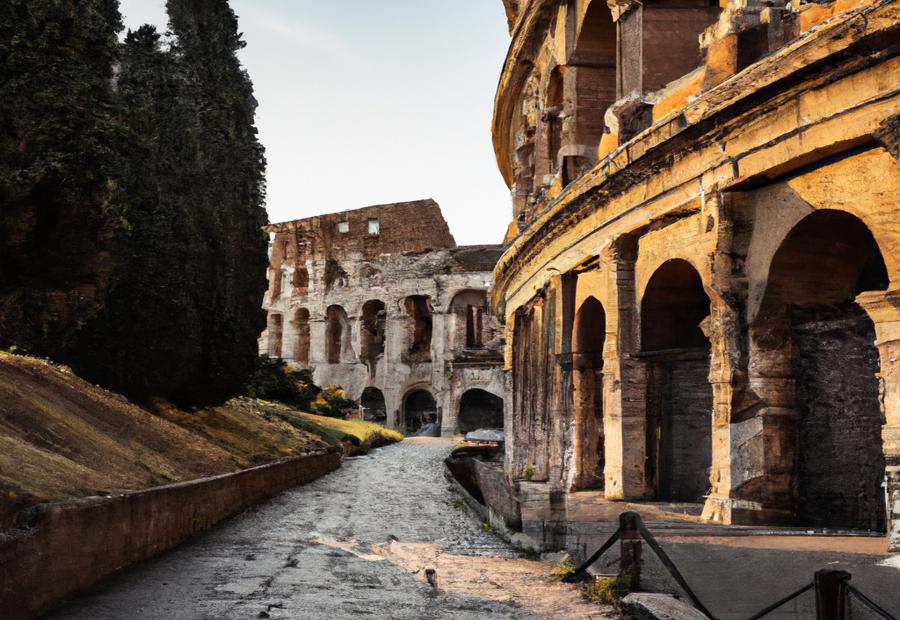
372,404
419,409
679,396
811,331
480,409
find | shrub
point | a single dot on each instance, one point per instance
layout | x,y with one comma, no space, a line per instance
608,590
333,403
273,379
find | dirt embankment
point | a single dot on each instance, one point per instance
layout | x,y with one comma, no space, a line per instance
64,438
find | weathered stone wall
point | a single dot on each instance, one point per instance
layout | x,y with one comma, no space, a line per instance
71,546
771,170
415,278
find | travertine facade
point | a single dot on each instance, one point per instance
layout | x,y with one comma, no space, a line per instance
701,288
381,302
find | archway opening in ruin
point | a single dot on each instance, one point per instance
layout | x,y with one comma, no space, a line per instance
679,396
419,409
337,334
418,308
591,72
587,383
276,334
553,117
480,409
301,325
372,332
301,280
373,407
818,349
469,308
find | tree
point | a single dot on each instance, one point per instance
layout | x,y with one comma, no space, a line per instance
227,187
58,167
146,339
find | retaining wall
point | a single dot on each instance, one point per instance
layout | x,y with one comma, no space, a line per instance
71,546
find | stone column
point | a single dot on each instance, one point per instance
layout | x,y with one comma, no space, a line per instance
624,381
884,309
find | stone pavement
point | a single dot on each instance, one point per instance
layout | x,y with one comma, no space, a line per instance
355,543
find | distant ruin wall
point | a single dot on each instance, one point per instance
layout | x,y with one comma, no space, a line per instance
77,544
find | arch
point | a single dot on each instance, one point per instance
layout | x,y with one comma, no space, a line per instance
588,340
479,409
301,280
813,356
337,334
418,308
373,406
672,308
276,332
554,106
372,331
301,324
419,410
679,396
470,307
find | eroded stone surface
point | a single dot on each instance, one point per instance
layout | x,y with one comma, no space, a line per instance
355,543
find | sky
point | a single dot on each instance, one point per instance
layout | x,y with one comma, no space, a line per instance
364,103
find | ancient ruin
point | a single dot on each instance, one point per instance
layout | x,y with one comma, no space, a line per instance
382,302
700,284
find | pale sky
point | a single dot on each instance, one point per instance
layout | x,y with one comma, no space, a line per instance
364,102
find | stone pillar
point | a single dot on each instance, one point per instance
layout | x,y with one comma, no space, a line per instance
624,381
884,309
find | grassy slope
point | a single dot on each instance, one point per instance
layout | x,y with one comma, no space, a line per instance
63,438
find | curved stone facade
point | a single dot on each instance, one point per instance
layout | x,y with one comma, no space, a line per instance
701,284
381,302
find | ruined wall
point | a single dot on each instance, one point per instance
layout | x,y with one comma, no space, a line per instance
386,309
101,536
771,169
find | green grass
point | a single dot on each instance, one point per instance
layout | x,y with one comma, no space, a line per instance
335,431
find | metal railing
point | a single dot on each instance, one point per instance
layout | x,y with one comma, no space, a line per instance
835,596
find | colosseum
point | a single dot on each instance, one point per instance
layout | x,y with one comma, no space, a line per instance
701,283
381,302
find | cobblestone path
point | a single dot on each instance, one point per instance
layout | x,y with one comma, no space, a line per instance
353,544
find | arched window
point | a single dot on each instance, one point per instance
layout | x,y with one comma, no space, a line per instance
419,310
301,324
276,330
587,383
372,331
337,334
469,309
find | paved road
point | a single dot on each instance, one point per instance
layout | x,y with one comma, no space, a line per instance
353,544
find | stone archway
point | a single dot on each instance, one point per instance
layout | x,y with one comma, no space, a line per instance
589,335
679,396
479,409
419,410
814,362
373,406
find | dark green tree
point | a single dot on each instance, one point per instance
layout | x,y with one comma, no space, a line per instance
58,160
146,340
226,186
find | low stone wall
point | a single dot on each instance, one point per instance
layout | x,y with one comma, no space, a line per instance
71,546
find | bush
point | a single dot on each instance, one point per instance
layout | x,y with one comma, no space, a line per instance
332,403
273,379
608,590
